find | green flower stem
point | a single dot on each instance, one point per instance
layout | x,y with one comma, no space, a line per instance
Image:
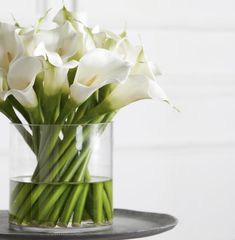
50,174
13,102
89,205
51,107
58,208
70,205
36,138
74,166
47,145
85,215
79,208
28,203
20,198
107,206
32,217
42,167
98,203
108,187
8,111
15,192
54,196
35,118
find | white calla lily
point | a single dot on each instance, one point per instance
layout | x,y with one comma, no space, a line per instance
21,78
64,15
126,50
64,41
105,39
97,69
141,84
86,41
137,87
29,40
55,71
144,67
55,78
10,45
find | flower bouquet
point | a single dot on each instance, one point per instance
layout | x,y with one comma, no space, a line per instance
61,89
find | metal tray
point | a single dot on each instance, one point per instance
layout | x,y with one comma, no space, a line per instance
127,224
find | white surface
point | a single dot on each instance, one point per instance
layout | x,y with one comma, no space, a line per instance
181,164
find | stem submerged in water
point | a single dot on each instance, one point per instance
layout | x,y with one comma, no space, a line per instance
62,192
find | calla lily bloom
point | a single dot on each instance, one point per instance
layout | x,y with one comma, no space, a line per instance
137,87
64,15
64,41
10,45
97,69
105,39
144,67
21,78
141,84
126,50
55,70
55,77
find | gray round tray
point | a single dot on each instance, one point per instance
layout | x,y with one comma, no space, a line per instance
127,224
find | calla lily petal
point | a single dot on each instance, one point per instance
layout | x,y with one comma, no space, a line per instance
21,78
144,67
105,39
53,57
99,65
136,88
10,45
126,50
64,15
64,40
26,97
55,78
96,69
55,71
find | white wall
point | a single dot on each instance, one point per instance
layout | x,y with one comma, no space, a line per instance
183,163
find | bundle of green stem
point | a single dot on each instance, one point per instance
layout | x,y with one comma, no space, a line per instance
61,191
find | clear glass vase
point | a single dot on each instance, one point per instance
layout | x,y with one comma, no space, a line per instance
61,177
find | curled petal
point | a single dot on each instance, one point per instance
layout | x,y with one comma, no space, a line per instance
55,78
147,69
64,40
21,78
144,67
101,65
135,88
97,69
64,15
22,72
30,41
126,50
26,97
80,93
11,46
105,39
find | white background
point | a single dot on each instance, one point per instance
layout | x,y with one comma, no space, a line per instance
178,163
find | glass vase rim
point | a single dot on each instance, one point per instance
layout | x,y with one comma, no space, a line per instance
64,125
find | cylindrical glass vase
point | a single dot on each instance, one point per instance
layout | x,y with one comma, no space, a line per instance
61,177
